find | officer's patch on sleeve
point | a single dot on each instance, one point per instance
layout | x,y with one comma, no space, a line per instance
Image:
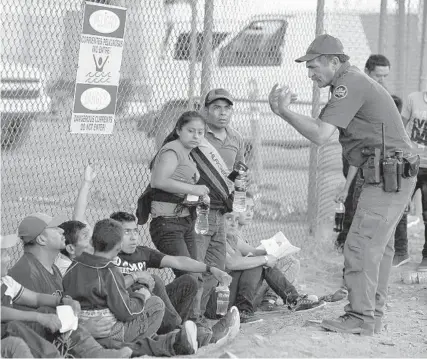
340,91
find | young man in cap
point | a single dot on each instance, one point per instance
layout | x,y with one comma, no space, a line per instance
227,144
358,107
36,271
15,334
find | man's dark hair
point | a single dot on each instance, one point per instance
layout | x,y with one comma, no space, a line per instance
376,60
106,234
123,217
71,233
398,102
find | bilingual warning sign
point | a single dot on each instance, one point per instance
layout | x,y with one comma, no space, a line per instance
98,73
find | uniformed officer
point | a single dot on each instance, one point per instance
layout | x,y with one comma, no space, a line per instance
358,106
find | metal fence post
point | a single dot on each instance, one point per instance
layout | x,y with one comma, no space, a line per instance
382,27
312,201
256,130
423,59
193,54
400,48
207,49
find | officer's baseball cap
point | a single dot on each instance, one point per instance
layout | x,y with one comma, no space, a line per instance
218,94
323,45
34,224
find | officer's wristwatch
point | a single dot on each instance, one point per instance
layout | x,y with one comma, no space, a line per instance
208,269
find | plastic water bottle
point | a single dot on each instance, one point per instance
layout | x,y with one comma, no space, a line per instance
222,299
202,210
339,217
239,201
414,277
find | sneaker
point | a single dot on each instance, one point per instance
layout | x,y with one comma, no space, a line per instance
186,339
249,317
304,303
422,267
227,327
347,324
399,260
340,294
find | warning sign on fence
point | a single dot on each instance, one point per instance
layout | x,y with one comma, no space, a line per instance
98,73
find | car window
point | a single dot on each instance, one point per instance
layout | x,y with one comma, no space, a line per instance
259,44
183,45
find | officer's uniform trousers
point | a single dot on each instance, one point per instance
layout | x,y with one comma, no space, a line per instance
369,248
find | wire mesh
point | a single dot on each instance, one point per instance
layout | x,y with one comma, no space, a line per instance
166,66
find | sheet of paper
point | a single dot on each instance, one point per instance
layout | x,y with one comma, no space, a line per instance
67,317
278,246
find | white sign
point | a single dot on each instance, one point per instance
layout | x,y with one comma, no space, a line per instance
98,73
99,64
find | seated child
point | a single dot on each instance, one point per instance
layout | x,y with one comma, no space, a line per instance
96,281
249,267
266,298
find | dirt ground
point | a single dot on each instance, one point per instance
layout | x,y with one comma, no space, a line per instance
288,334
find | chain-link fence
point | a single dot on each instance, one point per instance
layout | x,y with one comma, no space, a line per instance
174,52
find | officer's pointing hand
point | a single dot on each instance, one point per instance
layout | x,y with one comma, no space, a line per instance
280,98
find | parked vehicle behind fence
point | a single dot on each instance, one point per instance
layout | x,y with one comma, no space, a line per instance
23,99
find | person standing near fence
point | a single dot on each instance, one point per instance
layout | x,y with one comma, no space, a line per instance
377,67
358,107
414,114
216,158
174,175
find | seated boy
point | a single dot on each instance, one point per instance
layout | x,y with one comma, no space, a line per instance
77,232
266,298
248,268
178,295
99,285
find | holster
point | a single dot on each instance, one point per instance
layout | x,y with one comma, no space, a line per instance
371,168
411,165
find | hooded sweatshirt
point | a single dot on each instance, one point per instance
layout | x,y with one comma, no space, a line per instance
97,283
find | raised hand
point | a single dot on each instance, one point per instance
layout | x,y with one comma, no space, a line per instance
90,174
280,98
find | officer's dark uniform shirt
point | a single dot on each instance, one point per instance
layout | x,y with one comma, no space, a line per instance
358,106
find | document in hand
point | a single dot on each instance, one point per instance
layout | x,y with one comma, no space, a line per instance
67,317
278,246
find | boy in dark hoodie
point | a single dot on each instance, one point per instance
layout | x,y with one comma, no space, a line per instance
98,284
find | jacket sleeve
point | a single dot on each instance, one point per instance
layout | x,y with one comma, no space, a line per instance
123,306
